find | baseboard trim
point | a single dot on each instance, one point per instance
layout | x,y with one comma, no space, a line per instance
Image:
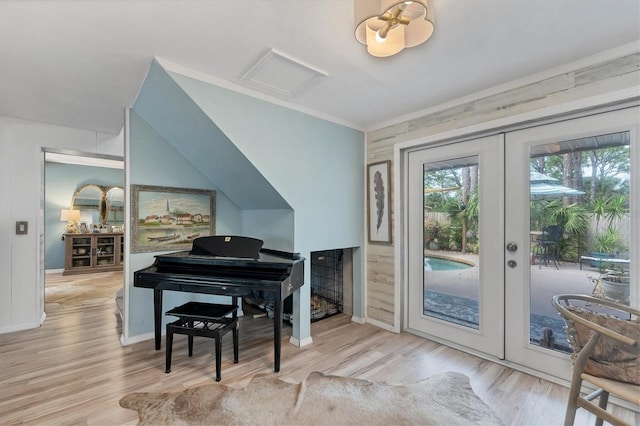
381,325
358,320
137,339
20,327
300,343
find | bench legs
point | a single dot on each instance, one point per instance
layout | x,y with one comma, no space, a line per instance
235,344
218,358
180,327
169,349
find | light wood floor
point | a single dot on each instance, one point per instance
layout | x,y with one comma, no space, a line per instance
73,370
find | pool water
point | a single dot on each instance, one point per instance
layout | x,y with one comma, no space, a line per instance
440,264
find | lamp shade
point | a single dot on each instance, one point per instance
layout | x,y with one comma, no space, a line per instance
69,215
386,27
392,44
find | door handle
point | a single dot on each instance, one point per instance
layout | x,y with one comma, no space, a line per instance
512,247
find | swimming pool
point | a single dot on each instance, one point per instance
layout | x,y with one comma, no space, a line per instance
432,263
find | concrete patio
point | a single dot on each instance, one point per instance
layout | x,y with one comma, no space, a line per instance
453,295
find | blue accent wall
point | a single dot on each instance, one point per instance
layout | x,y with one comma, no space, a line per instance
317,166
293,180
153,161
61,181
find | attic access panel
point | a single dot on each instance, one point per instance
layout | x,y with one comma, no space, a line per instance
283,75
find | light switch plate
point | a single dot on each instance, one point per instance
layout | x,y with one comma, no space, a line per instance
22,227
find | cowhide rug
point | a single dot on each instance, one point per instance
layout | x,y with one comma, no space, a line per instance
443,399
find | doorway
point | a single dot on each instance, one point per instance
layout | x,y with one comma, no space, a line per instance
63,173
482,263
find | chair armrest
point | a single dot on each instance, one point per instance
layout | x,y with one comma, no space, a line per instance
566,301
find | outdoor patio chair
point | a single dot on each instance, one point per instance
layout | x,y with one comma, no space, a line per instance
546,248
605,338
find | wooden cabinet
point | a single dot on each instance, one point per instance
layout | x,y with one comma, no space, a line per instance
87,253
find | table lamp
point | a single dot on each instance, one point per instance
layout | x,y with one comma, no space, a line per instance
71,217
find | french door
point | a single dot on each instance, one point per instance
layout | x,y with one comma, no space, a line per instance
607,146
458,298
478,273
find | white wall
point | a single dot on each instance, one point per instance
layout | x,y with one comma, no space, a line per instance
21,189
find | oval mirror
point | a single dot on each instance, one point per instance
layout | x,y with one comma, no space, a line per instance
89,198
114,205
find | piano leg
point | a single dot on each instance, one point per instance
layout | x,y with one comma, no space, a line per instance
157,316
277,333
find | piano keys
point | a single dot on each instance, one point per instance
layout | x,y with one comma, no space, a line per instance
226,266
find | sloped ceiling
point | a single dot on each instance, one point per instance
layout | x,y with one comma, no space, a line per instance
168,109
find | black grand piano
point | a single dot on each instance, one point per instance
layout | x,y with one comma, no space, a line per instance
229,266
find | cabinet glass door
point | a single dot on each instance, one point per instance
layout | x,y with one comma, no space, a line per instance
105,251
81,252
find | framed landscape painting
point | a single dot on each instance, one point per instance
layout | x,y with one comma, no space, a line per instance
167,218
379,202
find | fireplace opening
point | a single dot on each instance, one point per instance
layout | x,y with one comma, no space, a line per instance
331,286
327,274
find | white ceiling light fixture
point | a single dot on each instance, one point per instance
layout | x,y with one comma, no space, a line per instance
386,27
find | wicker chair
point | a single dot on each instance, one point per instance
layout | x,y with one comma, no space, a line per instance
605,338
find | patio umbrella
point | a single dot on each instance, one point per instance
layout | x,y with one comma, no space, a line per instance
542,186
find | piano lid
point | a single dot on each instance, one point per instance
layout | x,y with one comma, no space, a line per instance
228,256
227,246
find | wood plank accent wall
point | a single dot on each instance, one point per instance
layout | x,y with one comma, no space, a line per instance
598,79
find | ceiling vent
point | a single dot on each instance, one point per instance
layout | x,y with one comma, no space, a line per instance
282,75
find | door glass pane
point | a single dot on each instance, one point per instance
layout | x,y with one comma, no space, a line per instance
451,279
579,222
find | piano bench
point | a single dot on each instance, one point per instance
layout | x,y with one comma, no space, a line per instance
206,320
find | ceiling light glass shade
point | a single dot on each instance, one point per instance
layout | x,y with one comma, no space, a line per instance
392,44
406,24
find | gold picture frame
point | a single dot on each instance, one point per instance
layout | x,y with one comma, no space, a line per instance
165,218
